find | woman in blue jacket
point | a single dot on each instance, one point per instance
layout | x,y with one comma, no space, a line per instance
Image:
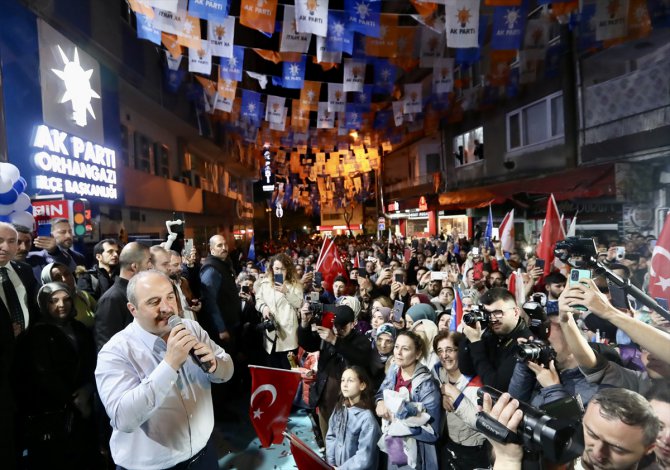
408,372
353,432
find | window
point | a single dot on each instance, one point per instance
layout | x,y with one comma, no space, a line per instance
469,147
536,123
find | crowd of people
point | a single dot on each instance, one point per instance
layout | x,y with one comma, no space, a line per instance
95,371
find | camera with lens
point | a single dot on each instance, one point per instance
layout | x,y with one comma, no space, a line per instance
577,252
477,314
536,351
541,431
267,325
538,323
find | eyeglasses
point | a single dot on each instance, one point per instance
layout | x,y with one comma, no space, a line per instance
499,313
447,350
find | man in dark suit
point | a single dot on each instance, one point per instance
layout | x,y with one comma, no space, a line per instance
58,247
18,309
112,314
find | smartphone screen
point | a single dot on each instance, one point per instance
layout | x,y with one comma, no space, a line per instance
245,289
415,244
620,252
398,307
618,296
318,278
279,278
539,263
188,246
362,272
475,251
398,278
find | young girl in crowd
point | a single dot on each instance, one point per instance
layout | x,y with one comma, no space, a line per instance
353,432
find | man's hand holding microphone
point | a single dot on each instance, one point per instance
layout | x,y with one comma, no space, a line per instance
181,343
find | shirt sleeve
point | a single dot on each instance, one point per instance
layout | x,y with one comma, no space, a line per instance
129,401
367,445
224,363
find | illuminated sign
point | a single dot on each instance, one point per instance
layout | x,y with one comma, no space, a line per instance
423,206
78,89
51,209
73,166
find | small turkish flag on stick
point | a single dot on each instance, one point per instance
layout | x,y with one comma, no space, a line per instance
659,267
272,394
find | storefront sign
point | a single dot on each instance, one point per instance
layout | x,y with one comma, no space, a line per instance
51,209
70,165
423,205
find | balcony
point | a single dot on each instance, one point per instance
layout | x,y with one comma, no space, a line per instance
416,186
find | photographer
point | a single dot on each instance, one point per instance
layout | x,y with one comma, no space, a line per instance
597,369
340,347
491,353
278,298
620,428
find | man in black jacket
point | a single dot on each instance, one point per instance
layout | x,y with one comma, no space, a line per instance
112,314
491,353
340,347
97,280
221,306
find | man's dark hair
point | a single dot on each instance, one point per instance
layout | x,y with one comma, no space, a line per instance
99,247
340,278
555,278
22,229
495,294
630,408
59,220
133,252
626,271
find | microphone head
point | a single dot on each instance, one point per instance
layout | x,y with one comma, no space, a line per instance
174,320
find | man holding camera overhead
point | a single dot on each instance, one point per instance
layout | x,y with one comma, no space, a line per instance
491,345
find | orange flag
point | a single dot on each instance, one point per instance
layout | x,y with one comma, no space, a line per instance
500,67
209,86
386,44
189,33
424,8
639,23
299,116
140,6
309,95
259,15
172,44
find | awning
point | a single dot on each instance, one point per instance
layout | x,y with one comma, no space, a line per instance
577,183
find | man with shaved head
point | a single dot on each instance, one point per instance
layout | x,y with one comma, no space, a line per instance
220,303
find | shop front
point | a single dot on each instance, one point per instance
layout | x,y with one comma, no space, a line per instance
413,217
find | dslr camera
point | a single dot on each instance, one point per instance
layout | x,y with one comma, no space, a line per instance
559,440
315,308
536,351
267,325
477,314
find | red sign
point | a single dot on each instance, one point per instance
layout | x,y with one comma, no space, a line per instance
423,205
45,210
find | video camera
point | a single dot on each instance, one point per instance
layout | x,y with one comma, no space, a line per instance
559,440
577,252
477,314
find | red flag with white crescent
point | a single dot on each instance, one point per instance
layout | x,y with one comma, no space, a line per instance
659,270
272,394
552,232
330,264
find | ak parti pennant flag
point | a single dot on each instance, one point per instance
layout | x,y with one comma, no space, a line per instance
225,94
506,232
336,98
398,115
325,56
171,44
188,33
146,29
208,9
443,75
142,7
462,23
291,39
384,76
294,74
363,16
611,19
231,67
299,117
272,394
354,75
309,95
552,232
659,267
353,116
508,27
221,36
325,119
432,47
339,38
200,60
250,106
639,21
412,98
311,16
274,109
386,44
363,98
259,15
170,20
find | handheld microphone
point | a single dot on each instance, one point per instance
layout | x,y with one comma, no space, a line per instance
175,320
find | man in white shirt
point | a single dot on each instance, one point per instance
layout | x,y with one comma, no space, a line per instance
158,399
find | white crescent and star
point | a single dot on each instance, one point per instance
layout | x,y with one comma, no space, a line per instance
263,388
659,251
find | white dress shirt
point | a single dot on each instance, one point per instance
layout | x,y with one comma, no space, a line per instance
21,292
159,417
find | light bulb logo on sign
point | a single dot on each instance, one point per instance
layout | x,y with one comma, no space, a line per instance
77,87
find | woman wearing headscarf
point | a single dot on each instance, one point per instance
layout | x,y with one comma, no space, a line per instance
420,312
56,384
382,355
84,303
428,331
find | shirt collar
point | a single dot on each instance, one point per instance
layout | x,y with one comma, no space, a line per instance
149,339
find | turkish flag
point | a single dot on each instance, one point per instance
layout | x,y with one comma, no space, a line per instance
272,394
330,264
659,271
552,232
506,232
305,458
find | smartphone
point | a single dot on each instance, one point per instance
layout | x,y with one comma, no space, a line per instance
318,278
575,276
279,278
44,230
438,275
475,251
398,278
362,272
245,289
397,309
539,263
415,244
309,269
618,296
620,253
328,320
188,246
